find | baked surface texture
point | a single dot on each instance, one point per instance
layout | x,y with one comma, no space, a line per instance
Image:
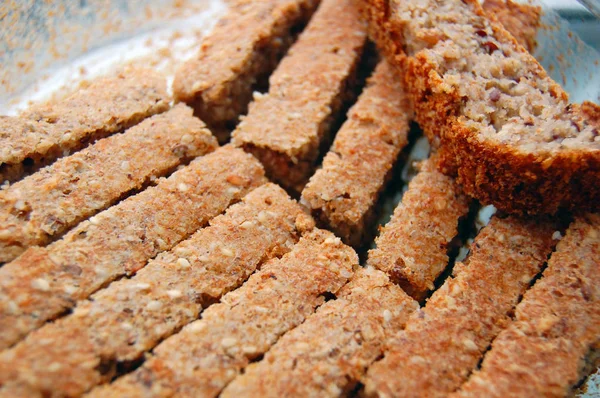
556,330
239,54
412,248
129,317
44,282
207,354
43,206
328,354
146,261
49,131
444,341
343,193
502,126
288,127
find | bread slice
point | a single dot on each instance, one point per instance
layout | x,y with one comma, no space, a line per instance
288,127
207,354
327,355
118,324
443,342
239,54
43,206
43,283
412,248
51,130
343,193
502,125
543,352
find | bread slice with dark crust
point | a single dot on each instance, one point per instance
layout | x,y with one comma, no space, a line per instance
502,126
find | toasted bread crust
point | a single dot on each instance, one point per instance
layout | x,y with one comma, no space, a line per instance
44,282
241,51
344,192
540,178
207,354
49,131
41,207
131,316
328,354
442,343
542,353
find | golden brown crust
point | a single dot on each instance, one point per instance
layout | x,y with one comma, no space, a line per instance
591,112
521,20
207,354
444,341
534,171
121,322
44,282
41,207
243,49
49,131
543,351
413,247
286,127
328,354
343,193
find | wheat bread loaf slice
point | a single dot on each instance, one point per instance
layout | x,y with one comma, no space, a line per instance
502,125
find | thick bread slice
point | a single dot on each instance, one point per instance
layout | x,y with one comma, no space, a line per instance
44,282
543,352
49,131
41,207
344,193
412,248
239,54
287,128
118,324
502,125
